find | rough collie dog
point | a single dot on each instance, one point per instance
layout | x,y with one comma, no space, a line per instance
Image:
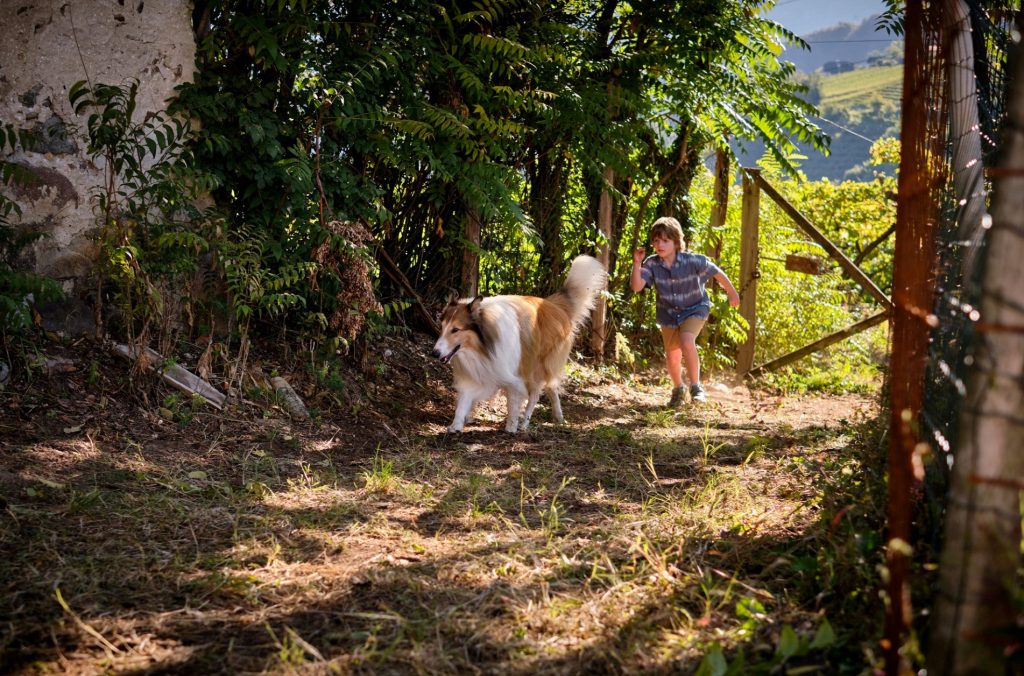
518,344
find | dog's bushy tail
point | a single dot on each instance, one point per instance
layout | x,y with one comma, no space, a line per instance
586,279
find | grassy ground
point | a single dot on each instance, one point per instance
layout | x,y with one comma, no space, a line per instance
631,539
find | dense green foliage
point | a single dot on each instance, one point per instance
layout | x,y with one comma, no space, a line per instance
169,263
413,117
793,308
333,136
150,230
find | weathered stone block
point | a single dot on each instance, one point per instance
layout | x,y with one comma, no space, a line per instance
51,136
46,48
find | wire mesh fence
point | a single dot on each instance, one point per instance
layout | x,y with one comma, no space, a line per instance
955,112
977,110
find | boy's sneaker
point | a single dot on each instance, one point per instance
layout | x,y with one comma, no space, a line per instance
678,397
697,393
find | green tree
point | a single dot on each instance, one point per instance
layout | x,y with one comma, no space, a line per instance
418,118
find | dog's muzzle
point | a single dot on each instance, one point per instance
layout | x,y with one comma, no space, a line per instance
448,357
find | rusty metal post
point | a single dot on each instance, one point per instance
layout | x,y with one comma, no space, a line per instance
913,297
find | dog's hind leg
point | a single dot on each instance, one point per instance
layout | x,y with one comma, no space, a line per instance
530,404
556,403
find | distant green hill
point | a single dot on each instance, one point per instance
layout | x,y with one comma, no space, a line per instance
857,108
853,89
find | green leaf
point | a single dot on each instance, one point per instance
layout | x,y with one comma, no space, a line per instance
714,662
77,91
750,608
824,637
789,643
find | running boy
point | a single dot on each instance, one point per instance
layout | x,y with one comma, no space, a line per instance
679,280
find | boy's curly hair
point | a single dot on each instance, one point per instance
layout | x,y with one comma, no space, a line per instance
669,228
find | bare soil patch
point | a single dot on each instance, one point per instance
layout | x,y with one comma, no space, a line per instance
138,534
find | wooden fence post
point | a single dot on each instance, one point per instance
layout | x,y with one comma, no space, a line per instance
748,266
604,226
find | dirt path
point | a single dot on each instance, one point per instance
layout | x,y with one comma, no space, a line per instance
629,539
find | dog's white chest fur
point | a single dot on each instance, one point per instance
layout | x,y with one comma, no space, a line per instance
482,373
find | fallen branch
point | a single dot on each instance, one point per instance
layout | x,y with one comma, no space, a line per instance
289,398
395,274
175,375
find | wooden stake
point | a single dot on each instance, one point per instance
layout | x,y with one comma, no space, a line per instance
748,266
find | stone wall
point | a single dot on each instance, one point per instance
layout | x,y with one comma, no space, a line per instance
47,46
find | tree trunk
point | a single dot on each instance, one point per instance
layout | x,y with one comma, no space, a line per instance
713,240
965,132
470,255
713,235
674,200
604,225
547,193
974,614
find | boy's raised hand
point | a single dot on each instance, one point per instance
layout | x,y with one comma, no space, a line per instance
639,254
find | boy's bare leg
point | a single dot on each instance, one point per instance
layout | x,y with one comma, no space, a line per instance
673,360
690,358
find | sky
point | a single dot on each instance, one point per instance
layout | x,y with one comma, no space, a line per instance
806,16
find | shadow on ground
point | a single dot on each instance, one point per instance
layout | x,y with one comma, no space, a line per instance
619,542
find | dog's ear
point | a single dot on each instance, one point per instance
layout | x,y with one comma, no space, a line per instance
447,311
474,306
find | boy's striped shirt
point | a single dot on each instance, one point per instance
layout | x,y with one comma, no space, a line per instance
680,287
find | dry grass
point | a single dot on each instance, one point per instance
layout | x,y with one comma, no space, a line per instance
628,540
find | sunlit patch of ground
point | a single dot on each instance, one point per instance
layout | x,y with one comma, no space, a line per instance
629,539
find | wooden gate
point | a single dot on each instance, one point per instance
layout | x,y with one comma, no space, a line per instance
753,185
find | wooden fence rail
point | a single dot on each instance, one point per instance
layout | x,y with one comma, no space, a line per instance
753,184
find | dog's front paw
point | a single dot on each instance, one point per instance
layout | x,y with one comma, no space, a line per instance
454,428
511,427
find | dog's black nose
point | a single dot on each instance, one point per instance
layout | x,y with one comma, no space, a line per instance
436,352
